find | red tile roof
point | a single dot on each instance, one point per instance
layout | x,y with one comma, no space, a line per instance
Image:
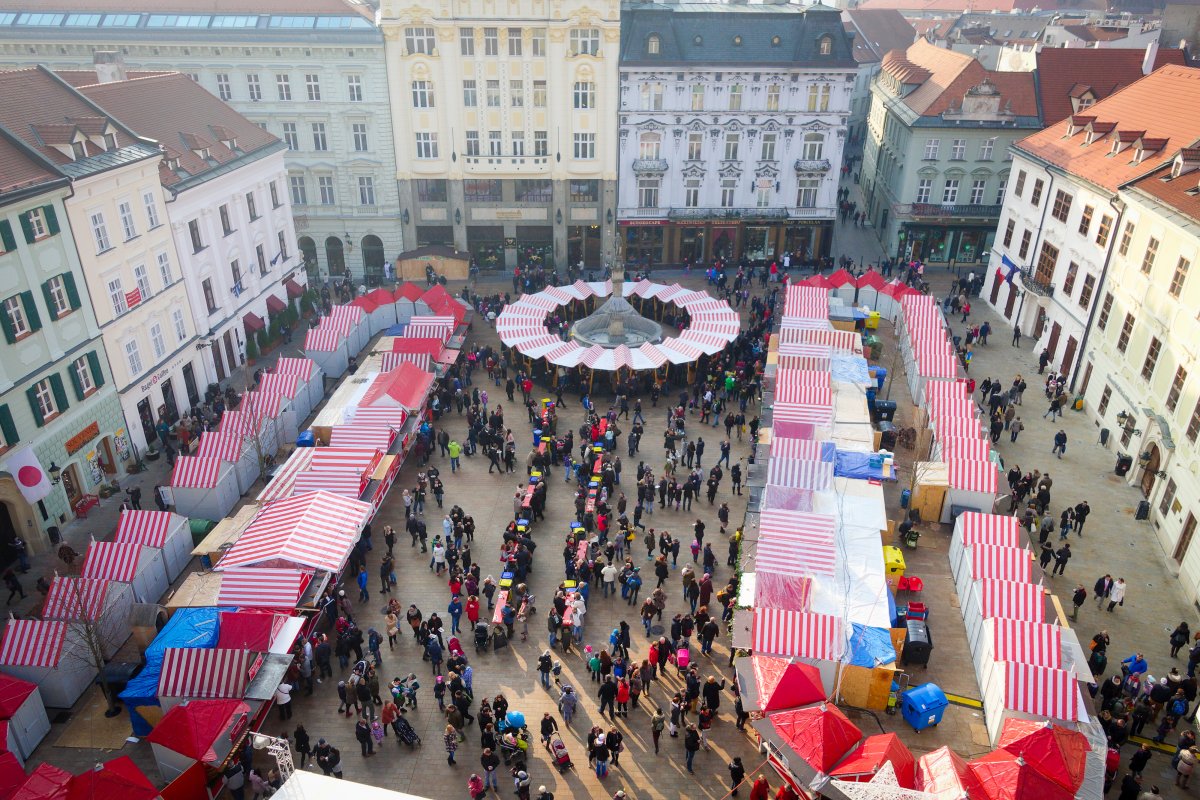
1181,194
20,168
1132,108
945,77
1066,72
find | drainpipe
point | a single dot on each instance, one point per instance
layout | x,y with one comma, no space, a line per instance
1097,297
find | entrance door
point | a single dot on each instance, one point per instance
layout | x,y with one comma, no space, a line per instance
1055,331
995,291
1012,300
229,351
172,410
1069,355
1149,473
1040,324
105,454
1185,539
8,532
218,362
189,385
71,483
146,415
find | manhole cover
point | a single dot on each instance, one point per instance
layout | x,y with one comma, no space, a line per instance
656,630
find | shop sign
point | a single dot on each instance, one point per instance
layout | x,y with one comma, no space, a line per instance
510,241
121,440
76,442
508,214
161,375
93,463
690,223
642,222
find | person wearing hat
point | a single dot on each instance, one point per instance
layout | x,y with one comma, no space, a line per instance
544,794
521,782
737,774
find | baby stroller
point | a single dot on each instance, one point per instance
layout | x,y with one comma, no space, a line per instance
405,732
558,751
455,647
483,636
513,746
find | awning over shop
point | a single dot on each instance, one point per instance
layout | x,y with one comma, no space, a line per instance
253,322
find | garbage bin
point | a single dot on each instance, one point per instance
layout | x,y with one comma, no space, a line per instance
1143,510
905,497
893,564
918,643
887,436
873,321
880,376
885,409
923,706
1124,464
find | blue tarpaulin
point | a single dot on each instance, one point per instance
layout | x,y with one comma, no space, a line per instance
871,647
396,330
188,628
847,368
863,466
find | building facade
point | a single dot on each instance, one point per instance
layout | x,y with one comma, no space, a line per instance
56,390
313,75
936,161
227,207
733,122
505,127
876,33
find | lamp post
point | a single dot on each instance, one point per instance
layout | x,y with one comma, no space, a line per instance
280,749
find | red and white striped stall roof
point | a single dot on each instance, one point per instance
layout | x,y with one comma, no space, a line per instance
795,555
958,427
388,416
193,472
655,357
945,389
111,561
531,335
262,588
558,295
281,485
75,598
440,327
803,386
377,436
344,459
965,447
848,341
708,342
807,449
346,313
323,339
279,383
700,302
1012,600
220,445
240,423
392,360
976,528
32,643
262,404
667,294
807,414
797,634
973,476
592,355
1005,563
807,302
315,530
796,473
725,329
940,407
943,365
693,298
1042,691
540,301
143,527
805,356
1037,643
565,354
204,672
302,368
537,348
341,483
678,351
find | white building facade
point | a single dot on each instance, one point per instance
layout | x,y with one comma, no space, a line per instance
733,122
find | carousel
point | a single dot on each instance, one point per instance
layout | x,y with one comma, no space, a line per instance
622,330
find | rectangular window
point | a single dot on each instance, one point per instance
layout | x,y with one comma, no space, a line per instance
312,84
157,341
585,41
728,192
695,145
326,191
1025,239
514,41
537,41
151,205
43,395
1103,230
422,94
354,89
1046,264
18,325
1126,332
100,232
1062,205
773,97
134,357
493,94
470,94
283,86
235,273
518,143
260,255
57,298
950,192
924,189
495,143
274,195
977,187
426,145
1177,384
1085,294
958,150
541,143
116,296
585,191
472,143
82,370
985,149
358,132
1152,353
1105,396
652,96
697,97
1008,232
1193,427
1126,239
491,41
735,97
1035,198
1069,281
1168,497
290,137
1085,220
124,211
141,277
585,145
1180,275
763,196
585,94
466,41
1000,191
180,325
366,190
210,299
419,41
281,236
539,94
806,196
1149,256
1105,310
299,190
647,192
320,142
691,193
1020,187
226,223
482,190
254,88
516,93
224,90
732,140
931,149
768,147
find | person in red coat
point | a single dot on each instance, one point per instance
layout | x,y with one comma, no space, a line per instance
761,790
786,793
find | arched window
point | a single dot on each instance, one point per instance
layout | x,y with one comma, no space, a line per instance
372,256
825,47
335,257
814,147
653,44
308,250
650,145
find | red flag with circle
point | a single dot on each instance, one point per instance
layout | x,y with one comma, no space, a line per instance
31,479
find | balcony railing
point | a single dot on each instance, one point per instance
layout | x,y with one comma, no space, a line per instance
728,213
812,165
649,165
641,213
935,211
1038,287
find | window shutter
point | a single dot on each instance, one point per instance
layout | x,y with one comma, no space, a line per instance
72,292
60,394
6,235
31,393
48,296
26,228
75,382
97,372
9,334
31,312
7,427
51,219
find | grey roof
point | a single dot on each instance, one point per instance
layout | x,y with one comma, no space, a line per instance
708,34
110,159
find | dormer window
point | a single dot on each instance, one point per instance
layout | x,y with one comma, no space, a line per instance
173,164
79,149
230,143
1177,168
825,46
110,141
1138,155
1116,146
653,45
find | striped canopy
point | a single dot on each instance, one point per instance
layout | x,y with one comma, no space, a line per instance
1018,640
32,643
973,527
377,436
144,527
973,476
194,472
204,672
392,360
112,561
323,339
302,368
798,634
1011,599
316,530
262,588
75,598
220,445
1043,691
797,473
280,383
1005,563
808,449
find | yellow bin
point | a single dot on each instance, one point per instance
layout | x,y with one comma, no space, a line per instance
873,320
893,563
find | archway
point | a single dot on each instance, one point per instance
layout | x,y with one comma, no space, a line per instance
308,254
335,257
1150,469
372,256
17,515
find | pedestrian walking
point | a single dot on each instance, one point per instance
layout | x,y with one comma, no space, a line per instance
657,723
1116,597
691,745
1060,443
1077,599
737,774
1015,428
1061,557
1102,589
450,739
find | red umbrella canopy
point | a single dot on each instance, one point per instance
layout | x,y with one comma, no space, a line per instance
1004,776
1058,753
876,750
944,774
192,728
45,783
820,735
786,684
117,778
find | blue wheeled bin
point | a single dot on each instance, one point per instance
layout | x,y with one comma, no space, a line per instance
923,706
306,439
905,497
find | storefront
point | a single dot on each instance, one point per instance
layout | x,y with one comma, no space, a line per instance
160,397
535,246
486,244
961,244
704,241
583,244
644,240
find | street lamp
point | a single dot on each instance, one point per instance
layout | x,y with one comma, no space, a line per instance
276,747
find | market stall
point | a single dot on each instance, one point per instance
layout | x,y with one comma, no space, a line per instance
405,300
169,532
316,530
380,309
804,744
256,424
102,605
144,568
274,588
204,488
971,528
328,348
53,655
203,673
236,451
198,731
310,388
769,683
24,715
278,409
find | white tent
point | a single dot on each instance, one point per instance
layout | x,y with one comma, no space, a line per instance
379,308
309,389
329,349
406,297
989,598
351,320
52,655
989,561
24,715
234,450
103,605
993,529
204,487
1028,691
162,529
144,568
278,415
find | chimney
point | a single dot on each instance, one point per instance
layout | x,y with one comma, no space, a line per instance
1150,57
110,66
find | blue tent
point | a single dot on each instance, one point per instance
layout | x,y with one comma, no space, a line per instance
871,647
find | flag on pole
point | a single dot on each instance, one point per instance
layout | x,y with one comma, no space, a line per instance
31,479
1008,270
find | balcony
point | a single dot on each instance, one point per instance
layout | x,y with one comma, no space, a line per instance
641,213
934,211
812,165
641,165
746,214
1038,287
